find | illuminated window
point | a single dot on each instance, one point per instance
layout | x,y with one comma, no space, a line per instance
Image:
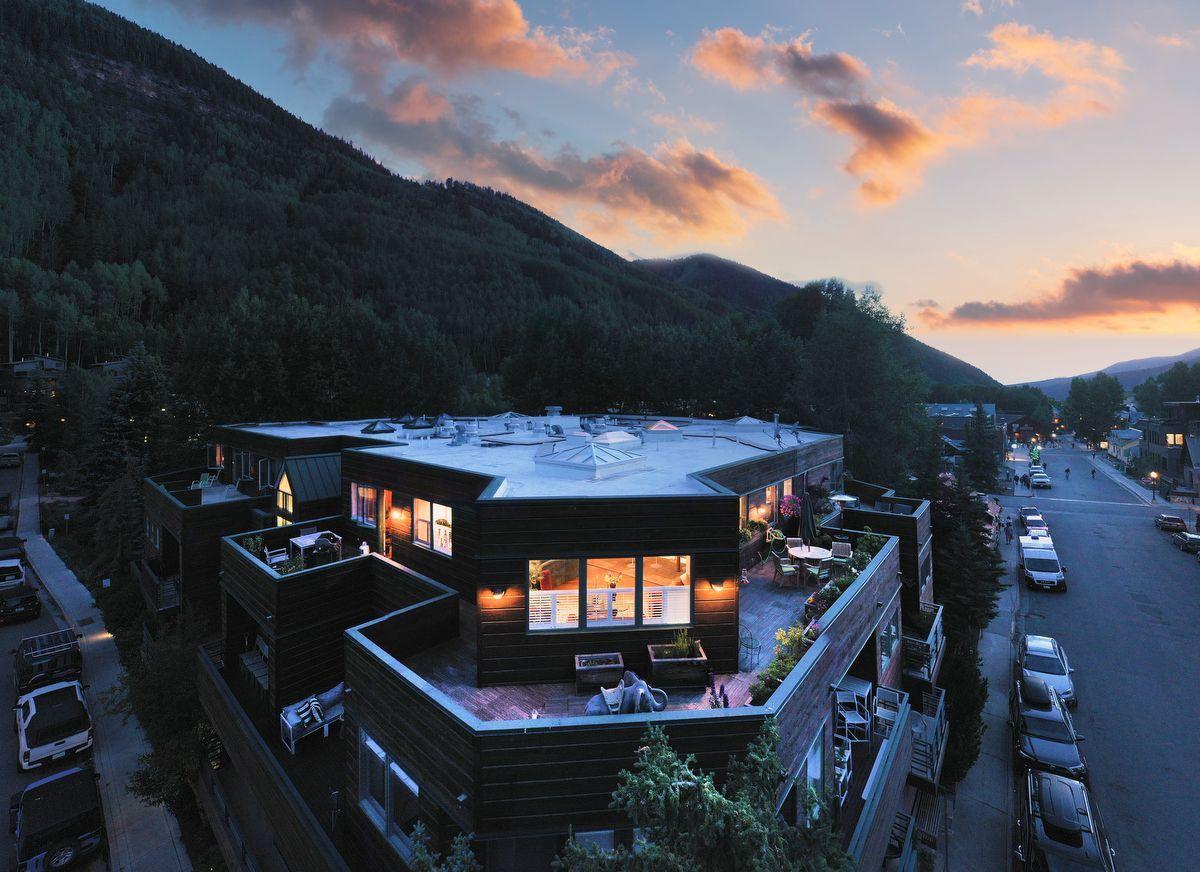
1174,438
364,504
553,594
433,526
611,591
666,590
283,496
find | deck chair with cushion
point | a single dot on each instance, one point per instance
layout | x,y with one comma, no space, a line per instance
275,556
317,712
842,552
786,573
820,572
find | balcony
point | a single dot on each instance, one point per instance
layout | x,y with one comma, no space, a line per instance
203,486
160,590
930,731
870,809
924,643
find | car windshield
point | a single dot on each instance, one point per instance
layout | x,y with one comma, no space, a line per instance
1035,522
1046,728
1044,664
1172,519
1041,564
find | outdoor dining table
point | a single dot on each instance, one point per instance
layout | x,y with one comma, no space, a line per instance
846,501
300,544
810,553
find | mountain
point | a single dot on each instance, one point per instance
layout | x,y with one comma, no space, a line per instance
742,287
1130,373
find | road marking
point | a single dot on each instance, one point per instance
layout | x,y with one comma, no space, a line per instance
1042,499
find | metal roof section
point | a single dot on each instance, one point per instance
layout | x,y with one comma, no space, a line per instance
589,461
313,477
378,427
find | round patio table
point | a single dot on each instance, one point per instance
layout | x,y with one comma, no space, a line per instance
810,553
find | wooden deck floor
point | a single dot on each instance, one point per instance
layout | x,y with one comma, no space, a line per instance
450,667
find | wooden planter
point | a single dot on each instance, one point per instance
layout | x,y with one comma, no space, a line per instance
677,671
598,670
750,554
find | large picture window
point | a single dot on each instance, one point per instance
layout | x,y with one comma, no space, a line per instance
553,594
611,591
666,590
607,592
283,495
388,795
364,504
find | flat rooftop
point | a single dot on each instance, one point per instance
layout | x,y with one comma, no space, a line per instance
570,455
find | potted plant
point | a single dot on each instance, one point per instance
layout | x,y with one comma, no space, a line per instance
751,537
790,508
596,670
681,661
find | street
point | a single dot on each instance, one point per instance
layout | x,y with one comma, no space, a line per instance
1129,622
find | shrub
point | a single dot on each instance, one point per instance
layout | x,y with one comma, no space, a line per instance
683,645
253,544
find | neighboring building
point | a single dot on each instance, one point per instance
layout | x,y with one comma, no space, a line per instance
1124,446
114,369
1017,426
498,549
1166,439
19,378
952,418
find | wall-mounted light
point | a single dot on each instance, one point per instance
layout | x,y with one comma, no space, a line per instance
498,591
717,584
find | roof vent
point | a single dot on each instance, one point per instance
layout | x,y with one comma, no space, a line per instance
376,427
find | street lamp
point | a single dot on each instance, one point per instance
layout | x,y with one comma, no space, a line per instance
1154,487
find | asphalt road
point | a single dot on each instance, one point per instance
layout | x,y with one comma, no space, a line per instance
1130,623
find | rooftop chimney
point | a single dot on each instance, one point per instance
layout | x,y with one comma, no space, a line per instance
553,411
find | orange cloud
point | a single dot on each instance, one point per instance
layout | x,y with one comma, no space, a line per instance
1134,293
731,56
412,102
674,192
892,146
449,36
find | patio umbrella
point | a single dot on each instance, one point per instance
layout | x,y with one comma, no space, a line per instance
808,525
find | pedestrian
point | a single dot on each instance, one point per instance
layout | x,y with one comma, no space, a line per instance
1067,473
1008,536
1093,472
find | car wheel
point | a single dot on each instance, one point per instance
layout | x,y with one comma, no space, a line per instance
61,855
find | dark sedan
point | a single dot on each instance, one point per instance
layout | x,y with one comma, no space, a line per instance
1170,523
19,603
1044,737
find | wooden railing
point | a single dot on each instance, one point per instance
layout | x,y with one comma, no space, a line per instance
929,735
160,592
923,654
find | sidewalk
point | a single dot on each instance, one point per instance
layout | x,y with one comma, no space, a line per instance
980,811
140,837
1103,467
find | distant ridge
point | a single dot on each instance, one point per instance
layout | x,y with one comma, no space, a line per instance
741,287
1130,373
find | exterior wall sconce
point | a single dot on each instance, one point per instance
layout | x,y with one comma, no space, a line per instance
498,591
717,584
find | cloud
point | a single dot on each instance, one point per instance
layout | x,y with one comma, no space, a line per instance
446,36
745,62
926,303
893,145
676,191
1173,40
680,122
1120,296
975,7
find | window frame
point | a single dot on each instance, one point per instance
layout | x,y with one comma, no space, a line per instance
886,627
434,514
381,815
638,622
284,489
356,514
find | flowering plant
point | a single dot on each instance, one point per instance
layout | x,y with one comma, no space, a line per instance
790,506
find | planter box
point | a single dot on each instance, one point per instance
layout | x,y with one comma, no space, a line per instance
750,553
596,670
677,671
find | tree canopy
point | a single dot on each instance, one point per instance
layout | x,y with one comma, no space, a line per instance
1092,405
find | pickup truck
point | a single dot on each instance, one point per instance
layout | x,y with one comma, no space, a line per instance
46,659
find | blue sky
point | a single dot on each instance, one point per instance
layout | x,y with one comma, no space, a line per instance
1018,178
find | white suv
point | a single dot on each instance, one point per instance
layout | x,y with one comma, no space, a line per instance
52,723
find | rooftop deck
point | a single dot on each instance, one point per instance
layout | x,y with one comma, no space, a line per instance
183,485
450,666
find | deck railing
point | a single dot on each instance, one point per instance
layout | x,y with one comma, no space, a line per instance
929,735
161,592
923,653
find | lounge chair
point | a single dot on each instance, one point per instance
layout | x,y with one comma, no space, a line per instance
303,718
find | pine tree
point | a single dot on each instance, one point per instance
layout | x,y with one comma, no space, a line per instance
982,460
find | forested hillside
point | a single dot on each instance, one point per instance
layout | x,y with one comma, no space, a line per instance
278,272
742,287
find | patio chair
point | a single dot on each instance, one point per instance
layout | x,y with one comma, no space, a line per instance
307,531
275,556
785,573
842,552
795,543
820,572
853,718
887,709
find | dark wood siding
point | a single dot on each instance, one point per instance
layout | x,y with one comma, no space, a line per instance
298,836
750,475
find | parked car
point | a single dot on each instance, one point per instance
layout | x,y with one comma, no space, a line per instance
1058,827
1042,657
19,603
1044,736
1028,512
10,461
1036,523
52,723
46,659
1040,480
57,821
1039,564
1170,523
1035,468
1185,541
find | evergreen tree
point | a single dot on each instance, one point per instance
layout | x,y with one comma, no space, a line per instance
966,694
982,460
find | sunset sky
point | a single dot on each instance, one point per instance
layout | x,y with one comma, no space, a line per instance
1020,179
